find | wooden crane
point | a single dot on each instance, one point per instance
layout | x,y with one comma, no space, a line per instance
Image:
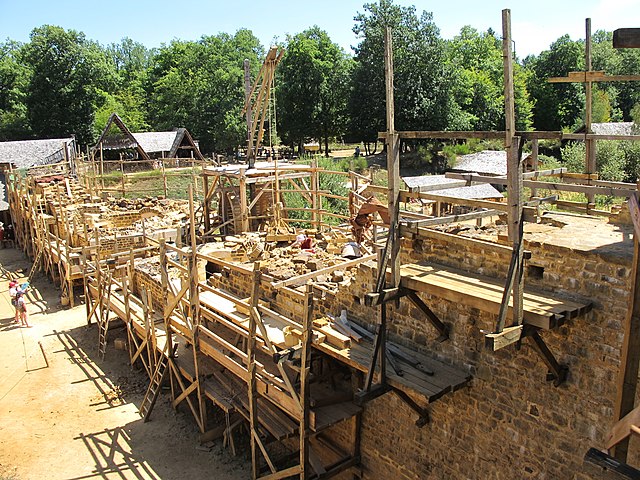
257,100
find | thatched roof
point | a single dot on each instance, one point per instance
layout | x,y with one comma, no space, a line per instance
30,153
481,191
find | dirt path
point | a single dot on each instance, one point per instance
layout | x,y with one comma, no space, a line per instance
78,418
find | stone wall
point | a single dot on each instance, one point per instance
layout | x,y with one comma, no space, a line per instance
120,243
510,422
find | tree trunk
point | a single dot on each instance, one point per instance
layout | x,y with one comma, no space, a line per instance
326,143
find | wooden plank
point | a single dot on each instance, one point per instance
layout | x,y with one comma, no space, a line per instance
485,293
597,190
634,210
336,338
626,38
622,429
630,352
286,473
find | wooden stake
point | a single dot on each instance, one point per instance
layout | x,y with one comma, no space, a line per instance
590,144
507,59
305,365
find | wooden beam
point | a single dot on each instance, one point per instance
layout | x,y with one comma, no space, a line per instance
469,134
593,76
557,372
622,429
429,222
507,62
387,295
626,38
393,164
406,196
443,329
438,186
508,336
616,470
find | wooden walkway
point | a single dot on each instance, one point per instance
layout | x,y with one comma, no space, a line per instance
541,309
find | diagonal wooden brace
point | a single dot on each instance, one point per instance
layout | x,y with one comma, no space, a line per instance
557,372
443,329
423,414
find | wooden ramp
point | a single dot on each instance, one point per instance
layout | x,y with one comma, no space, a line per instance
485,293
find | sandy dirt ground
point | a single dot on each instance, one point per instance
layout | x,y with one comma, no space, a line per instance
78,418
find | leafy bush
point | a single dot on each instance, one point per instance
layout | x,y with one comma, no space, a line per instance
614,161
632,160
340,165
547,162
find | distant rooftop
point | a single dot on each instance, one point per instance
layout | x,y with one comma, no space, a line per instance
479,191
613,128
30,153
486,162
155,142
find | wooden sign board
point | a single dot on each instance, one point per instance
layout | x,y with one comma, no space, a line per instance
634,210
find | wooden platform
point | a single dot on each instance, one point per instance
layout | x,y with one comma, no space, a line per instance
541,309
444,380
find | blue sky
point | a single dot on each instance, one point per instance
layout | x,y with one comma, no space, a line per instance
534,24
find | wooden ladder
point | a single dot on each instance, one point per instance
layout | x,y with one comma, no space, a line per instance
35,263
151,395
103,321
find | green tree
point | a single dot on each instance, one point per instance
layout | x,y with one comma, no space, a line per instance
557,105
199,85
64,90
313,88
131,62
480,82
628,92
13,82
423,78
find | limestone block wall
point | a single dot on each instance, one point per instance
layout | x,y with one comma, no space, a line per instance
123,219
151,283
121,243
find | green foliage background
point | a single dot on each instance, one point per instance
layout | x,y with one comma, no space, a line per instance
61,83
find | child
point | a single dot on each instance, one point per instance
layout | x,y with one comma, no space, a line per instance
13,291
21,308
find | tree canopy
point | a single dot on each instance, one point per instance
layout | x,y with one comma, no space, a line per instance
313,88
61,83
